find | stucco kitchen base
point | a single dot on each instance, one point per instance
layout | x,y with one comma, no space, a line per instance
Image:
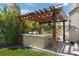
40,41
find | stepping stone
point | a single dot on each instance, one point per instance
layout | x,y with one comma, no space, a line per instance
76,48
66,49
75,53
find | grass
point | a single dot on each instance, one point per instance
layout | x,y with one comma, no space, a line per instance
25,52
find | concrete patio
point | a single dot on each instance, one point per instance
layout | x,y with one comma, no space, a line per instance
66,48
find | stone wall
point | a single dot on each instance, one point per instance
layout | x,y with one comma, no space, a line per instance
40,41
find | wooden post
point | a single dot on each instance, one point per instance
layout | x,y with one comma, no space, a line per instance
54,39
21,27
40,30
63,31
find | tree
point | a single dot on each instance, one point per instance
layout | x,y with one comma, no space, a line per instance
15,8
9,25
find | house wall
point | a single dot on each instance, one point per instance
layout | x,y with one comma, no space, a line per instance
74,30
74,5
75,19
73,34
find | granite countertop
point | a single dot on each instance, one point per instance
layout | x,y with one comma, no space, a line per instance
39,35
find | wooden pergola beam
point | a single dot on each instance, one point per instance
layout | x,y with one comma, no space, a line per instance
40,18
51,9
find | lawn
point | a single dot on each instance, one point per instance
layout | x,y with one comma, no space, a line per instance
25,52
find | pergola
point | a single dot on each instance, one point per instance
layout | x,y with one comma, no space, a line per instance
49,15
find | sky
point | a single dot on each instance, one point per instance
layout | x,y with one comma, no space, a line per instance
30,7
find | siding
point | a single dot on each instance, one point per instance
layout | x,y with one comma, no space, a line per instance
75,19
74,32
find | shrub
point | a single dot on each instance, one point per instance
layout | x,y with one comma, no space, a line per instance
9,26
47,26
31,26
